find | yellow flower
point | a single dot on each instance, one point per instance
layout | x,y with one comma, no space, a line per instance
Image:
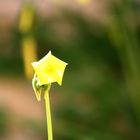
49,69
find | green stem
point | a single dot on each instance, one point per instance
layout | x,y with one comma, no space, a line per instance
48,113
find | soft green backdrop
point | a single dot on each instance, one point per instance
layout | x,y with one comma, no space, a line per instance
100,96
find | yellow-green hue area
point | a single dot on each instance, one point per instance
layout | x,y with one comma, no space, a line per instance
49,69
84,1
26,18
28,43
36,87
48,113
29,55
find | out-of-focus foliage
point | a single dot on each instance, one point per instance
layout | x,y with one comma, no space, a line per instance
100,98
26,20
3,123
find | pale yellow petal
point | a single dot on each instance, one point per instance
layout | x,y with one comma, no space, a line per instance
49,69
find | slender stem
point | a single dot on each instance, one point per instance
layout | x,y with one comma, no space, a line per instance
48,113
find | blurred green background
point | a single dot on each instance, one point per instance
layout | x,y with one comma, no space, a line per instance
100,96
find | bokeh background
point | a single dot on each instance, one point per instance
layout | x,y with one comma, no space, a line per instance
100,96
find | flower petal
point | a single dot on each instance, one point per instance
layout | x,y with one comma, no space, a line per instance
49,69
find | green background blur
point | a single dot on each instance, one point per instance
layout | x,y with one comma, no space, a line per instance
100,96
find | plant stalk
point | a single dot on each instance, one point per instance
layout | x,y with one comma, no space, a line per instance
48,113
